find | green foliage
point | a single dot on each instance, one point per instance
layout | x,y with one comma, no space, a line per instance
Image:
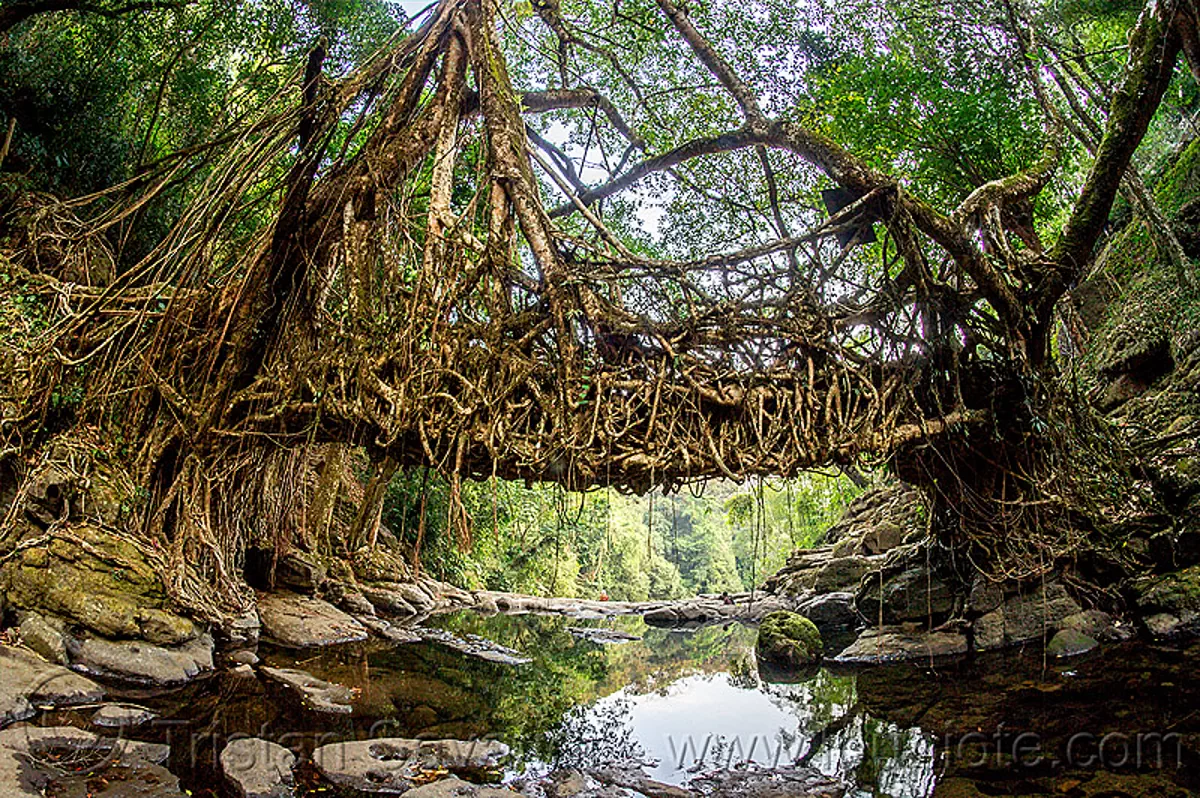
96,99
544,541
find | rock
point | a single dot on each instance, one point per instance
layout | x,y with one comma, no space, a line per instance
788,640
257,768
299,571
242,671
21,748
1146,355
989,631
1164,625
1177,595
1070,643
893,644
389,631
122,716
30,681
457,788
912,595
486,604
474,646
241,630
244,657
355,603
1120,391
45,636
1098,624
882,538
141,663
98,580
316,694
1025,618
601,636
133,780
389,602
842,573
304,622
833,611
391,765
985,596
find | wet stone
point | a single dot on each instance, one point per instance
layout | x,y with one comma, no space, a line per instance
141,663
1070,643
894,644
23,749
457,788
122,716
316,694
30,681
257,768
392,765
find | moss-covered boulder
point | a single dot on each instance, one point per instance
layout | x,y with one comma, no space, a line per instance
1170,604
788,640
98,580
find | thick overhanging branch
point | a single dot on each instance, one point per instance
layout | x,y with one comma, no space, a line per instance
1154,45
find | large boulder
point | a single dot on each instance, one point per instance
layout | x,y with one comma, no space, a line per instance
896,644
299,571
914,594
303,621
141,663
98,580
788,640
1024,618
830,611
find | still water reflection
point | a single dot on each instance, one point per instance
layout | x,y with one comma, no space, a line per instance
689,701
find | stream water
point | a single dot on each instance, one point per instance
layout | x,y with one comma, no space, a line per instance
1123,723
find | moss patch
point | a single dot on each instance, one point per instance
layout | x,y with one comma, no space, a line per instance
99,581
1175,593
789,640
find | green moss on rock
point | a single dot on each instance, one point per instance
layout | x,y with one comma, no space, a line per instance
789,640
1177,593
97,580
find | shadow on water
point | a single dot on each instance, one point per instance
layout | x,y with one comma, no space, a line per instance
1124,723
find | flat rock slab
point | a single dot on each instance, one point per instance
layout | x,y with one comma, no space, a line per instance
20,749
306,622
602,636
316,694
892,644
257,768
389,631
122,716
141,663
396,765
474,646
29,682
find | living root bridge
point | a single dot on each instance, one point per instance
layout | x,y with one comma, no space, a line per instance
372,262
